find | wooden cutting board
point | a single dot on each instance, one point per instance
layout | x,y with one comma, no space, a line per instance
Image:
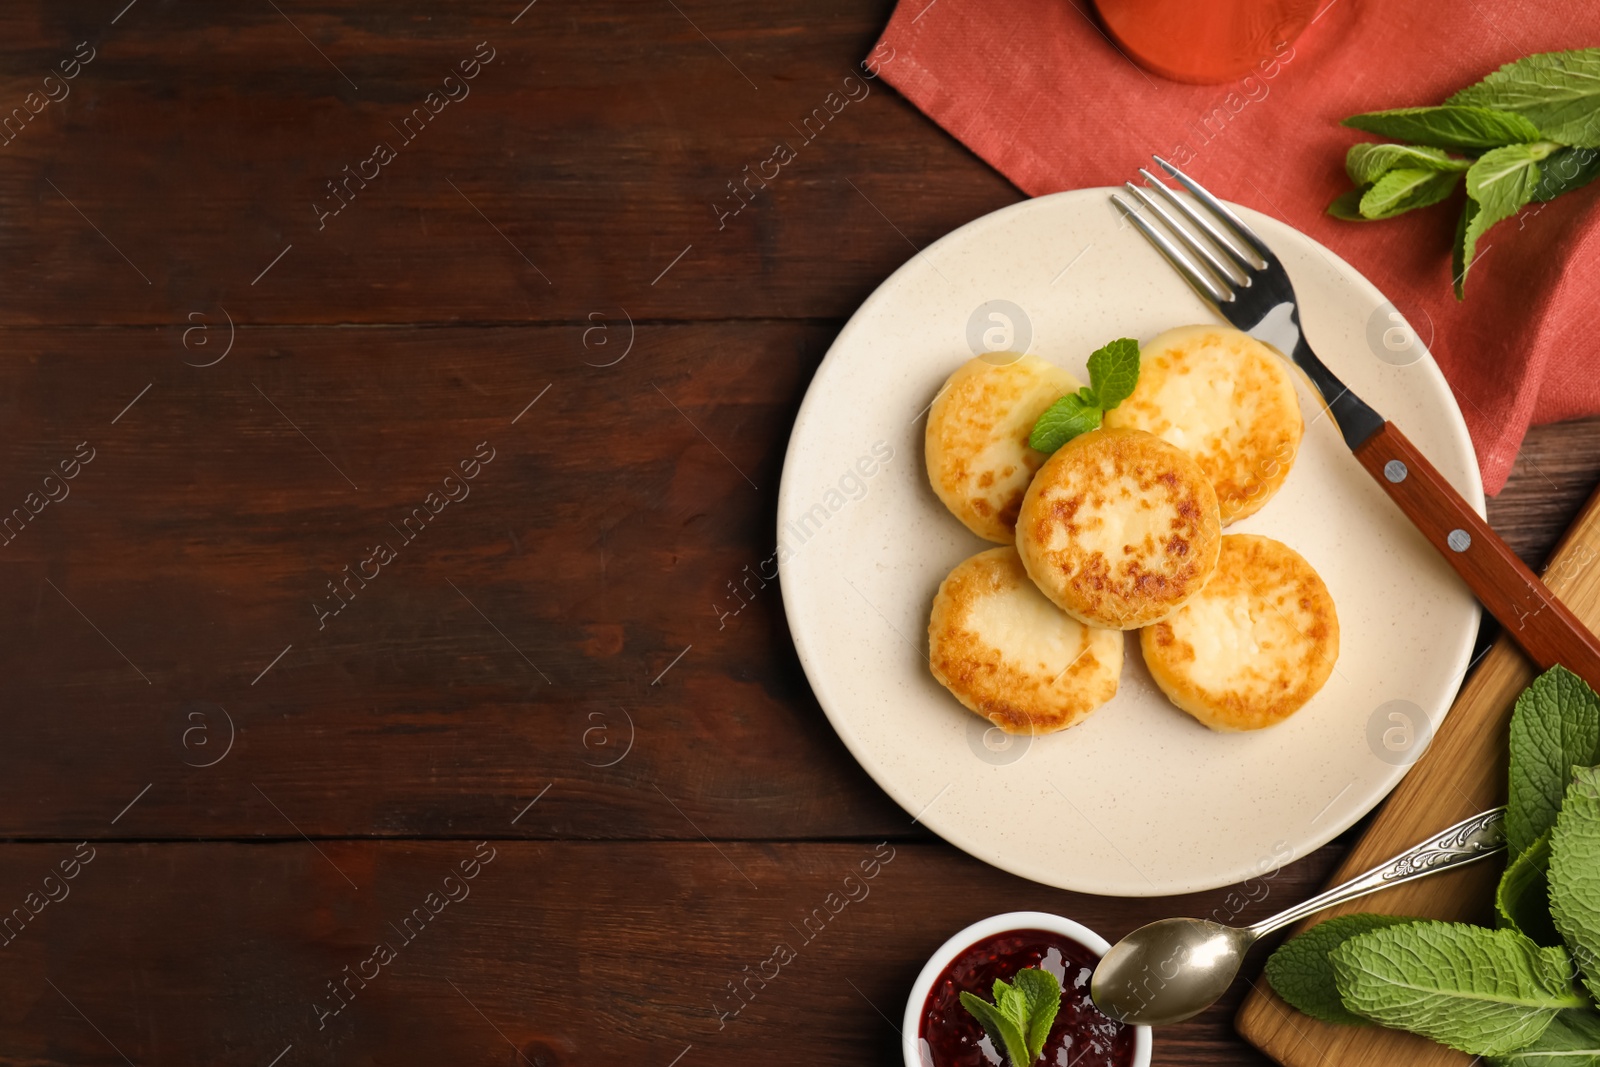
1462,772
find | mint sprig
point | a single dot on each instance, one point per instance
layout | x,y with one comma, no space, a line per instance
1573,1040
1113,373
1020,1018
1554,727
1575,873
1522,900
1530,131
1483,992
1522,994
1302,974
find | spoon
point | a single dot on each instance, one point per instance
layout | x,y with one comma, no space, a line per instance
1174,969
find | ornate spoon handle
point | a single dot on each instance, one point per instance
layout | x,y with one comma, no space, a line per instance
1469,840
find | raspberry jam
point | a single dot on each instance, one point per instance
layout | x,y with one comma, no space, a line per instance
1081,1037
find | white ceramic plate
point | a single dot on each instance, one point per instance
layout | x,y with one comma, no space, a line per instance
1139,800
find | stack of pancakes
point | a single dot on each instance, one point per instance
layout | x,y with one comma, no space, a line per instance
1121,529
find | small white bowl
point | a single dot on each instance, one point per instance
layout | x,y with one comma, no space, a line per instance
911,1025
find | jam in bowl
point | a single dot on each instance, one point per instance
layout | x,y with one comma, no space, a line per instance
939,1032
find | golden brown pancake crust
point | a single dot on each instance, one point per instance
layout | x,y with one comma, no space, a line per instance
1119,528
1257,643
1009,655
976,445
1226,399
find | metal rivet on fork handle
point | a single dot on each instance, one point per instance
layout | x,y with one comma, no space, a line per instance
1395,471
1459,540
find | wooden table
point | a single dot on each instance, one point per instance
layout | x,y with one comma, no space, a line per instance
527,347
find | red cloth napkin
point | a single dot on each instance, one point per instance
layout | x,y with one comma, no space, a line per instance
1036,89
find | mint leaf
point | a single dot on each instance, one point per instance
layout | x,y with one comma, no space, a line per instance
1484,992
1565,170
1367,162
1555,727
1573,1040
1113,374
1558,92
1458,250
1019,1020
1042,994
1302,974
1404,189
1347,205
1522,901
1500,183
1062,421
1012,1004
1114,371
1007,1035
1575,873
1447,127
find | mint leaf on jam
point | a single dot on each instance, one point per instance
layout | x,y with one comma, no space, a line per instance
1019,1020
1007,1034
1042,998
1113,374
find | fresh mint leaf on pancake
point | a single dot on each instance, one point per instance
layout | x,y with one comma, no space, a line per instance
1113,373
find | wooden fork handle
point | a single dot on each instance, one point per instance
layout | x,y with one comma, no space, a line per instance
1532,616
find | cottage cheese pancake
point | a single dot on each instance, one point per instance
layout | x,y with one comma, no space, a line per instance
977,441
1119,528
1256,644
1228,401
1010,655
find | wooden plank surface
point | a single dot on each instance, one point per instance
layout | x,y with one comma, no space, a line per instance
263,394
574,600
601,141
1461,773
555,953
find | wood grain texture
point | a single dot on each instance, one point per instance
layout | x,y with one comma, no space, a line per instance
600,143
1544,628
265,394
1554,474
506,648
1462,772
556,954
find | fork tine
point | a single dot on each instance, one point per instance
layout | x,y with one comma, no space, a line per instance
1192,272
1223,267
1217,207
1220,237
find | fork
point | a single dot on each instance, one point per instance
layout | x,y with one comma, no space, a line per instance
1233,270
